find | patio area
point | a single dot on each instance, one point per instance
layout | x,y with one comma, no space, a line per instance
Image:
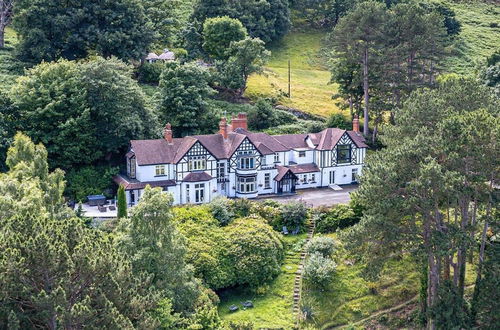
108,210
317,196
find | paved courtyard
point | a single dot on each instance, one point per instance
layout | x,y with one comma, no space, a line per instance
318,196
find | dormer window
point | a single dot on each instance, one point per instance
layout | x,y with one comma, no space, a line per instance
160,170
343,153
276,158
302,154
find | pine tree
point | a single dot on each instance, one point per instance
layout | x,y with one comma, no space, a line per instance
122,203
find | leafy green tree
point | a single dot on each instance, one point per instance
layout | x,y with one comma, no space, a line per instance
490,75
56,272
322,245
244,58
183,99
294,214
347,75
163,15
6,13
323,13
219,33
338,120
262,115
83,111
121,203
89,180
7,126
158,251
221,210
52,29
358,37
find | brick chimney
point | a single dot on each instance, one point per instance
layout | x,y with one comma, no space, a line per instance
167,133
240,121
223,127
355,124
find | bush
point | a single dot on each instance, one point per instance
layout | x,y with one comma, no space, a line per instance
242,207
324,246
221,210
338,120
338,217
294,214
319,271
90,180
149,73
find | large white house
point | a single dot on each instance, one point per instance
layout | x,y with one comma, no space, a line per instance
238,163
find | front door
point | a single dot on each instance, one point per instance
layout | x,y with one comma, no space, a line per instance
332,177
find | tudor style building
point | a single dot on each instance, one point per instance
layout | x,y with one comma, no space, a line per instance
242,164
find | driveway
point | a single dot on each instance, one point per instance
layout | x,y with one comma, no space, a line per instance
317,196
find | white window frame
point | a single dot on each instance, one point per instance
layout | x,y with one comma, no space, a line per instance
188,196
267,180
276,157
160,170
247,185
197,163
199,193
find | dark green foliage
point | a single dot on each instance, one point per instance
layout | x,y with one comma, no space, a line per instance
268,20
52,29
83,111
453,26
7,126
52,264
242,207
338,120
164,18
121,203
262,116
221,210
323,13
490,75
149,73
294,214
183,99
219,33
338,217
449,312
89,180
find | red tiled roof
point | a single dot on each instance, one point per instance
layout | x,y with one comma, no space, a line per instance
304,168
197,177
133,184
282,171
292,141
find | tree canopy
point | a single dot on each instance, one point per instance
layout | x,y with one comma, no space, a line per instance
83,111
53,29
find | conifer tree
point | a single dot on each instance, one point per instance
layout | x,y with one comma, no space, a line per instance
121,203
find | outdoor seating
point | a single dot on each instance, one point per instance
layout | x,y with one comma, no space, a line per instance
112,207
285,230
247,304
296,231
233,308
102,209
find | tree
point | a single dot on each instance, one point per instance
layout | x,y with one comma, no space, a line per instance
294,214
7,126
338,120
121,203
323,13
157,250
262,115
52,29
183,94
163,15
428,192
219,33
56,272
322,245
83,111
244,58
6,13
357,36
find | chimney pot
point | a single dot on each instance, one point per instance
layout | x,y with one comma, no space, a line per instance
167,133
355,124
240,121
223,127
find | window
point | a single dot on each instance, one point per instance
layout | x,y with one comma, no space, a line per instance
131,167
160,170
332,177
304,178
302,154
197,163
247,163
199,193
276,158
267,180
246,184
188,197
221,170
313,177
344,153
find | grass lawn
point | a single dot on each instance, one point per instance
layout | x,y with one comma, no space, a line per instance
480,35
10,68
309,78
273,307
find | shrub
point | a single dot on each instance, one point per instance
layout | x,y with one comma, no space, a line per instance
324,246
149,73
221,210
319,271
198,214
339,217
242,207
294,214
90,180
338,120
122,203
270,211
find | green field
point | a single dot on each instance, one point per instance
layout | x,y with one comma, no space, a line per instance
310,91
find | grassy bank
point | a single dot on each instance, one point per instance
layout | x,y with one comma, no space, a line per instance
10,68
310,91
